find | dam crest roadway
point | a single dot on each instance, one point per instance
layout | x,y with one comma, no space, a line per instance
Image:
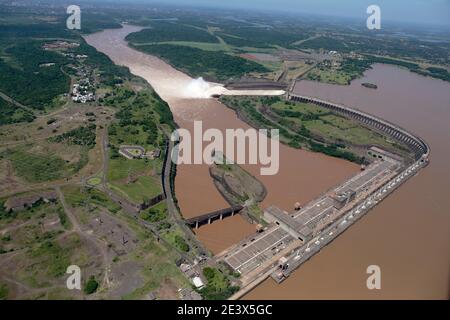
292,238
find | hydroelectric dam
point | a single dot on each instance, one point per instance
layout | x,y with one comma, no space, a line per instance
291,238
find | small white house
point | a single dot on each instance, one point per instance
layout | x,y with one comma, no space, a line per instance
198,283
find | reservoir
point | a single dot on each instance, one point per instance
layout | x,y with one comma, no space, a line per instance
302,176
408,235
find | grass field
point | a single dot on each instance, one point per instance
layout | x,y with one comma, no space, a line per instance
142,189
44,161
37,167
134,179
121,168
83,197
95,181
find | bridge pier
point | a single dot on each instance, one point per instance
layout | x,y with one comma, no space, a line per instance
212,216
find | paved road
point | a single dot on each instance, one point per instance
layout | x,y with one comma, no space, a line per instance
127,206
172,208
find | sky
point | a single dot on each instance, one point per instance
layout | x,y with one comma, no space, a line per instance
435,12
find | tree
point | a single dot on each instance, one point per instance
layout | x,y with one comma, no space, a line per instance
91,286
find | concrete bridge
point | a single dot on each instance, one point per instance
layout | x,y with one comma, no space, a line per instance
208,218
416,144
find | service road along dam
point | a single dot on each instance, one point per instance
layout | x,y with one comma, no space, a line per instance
291,238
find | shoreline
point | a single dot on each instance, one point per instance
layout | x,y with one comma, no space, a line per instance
341,224
225,106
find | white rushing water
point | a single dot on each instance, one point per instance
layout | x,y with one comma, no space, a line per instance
171,84
201,89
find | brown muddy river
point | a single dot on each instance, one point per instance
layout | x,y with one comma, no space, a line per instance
302,176
408,235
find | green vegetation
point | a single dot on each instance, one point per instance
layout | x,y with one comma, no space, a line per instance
308,126
163,226
175,238
110,74
63,218
156,213
40,209
439,73
163,110
91,286
181,244
122,168
139,116
44,261
351,68
199,45
237,185
37,167
44,246
140,120
410,48
218,286
4,291
20,67
158,260
24,63
82,136
94,22
53,259
140,189
215,65
13,114
168,31
159,267
133,178
86,197
95,181
261,37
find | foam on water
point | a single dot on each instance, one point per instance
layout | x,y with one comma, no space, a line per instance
201,89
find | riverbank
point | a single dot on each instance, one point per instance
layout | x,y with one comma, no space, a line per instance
302,175
418,104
